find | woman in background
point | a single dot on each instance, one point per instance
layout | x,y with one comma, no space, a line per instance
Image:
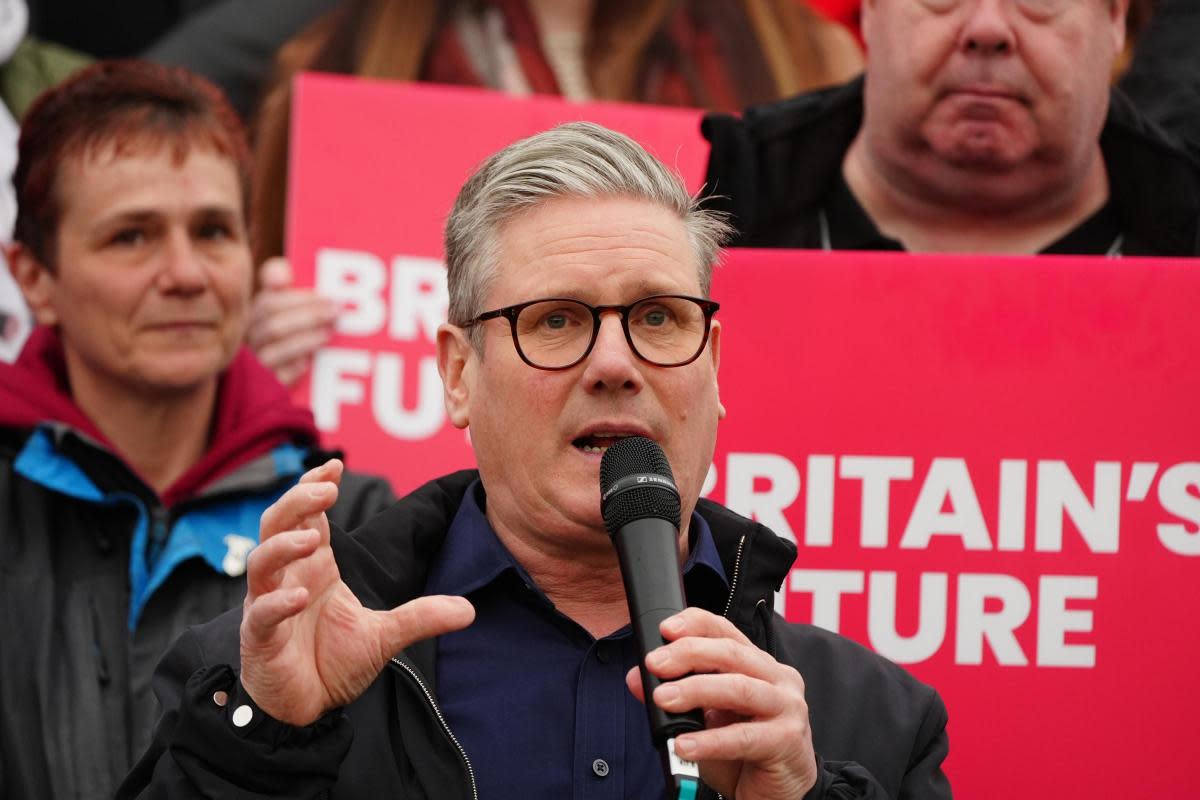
139,441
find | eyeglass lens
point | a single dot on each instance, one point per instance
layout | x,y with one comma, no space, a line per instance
663,330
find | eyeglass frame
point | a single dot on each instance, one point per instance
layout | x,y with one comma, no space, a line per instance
510,313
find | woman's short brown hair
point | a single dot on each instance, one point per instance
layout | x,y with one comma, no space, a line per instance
126,105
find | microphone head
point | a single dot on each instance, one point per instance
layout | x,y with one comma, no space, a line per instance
636,483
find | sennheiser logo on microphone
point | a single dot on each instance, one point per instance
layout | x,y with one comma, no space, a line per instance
646,480
654,479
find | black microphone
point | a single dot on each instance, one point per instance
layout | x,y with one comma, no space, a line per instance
640,505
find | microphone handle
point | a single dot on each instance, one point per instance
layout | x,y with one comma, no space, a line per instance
648,552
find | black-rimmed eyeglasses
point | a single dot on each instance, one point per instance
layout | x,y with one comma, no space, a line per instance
667,330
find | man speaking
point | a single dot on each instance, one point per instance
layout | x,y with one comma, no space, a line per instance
579,271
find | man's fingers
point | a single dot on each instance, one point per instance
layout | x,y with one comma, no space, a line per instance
330,470
633,680
748,697
304,505
264,567
741,741
696,654
424,618
698,622
263,615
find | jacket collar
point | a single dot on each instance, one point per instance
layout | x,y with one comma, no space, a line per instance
756,560
386,562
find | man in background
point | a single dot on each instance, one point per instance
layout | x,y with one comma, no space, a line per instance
979,126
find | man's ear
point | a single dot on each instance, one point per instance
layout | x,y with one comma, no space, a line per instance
456,364
714,347
36,282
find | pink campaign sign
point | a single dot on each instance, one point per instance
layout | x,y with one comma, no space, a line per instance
991,465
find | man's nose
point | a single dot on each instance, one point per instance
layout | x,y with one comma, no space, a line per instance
987,30
182,270
612,363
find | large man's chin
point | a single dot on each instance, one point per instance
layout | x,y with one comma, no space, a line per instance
986,148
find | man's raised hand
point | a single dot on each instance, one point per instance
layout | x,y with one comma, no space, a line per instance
308,645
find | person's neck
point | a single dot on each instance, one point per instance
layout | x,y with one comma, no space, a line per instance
991,214
584,583
160,437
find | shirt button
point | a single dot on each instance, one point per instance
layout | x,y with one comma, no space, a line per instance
600,767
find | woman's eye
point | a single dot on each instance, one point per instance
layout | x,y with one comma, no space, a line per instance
129,236
214,232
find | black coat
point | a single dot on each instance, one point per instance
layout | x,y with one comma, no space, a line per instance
76,707
774,168
878,732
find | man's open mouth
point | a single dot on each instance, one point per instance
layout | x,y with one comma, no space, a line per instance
599,442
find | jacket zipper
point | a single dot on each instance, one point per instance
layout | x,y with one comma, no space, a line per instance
737,571
445,725
103,676
157,540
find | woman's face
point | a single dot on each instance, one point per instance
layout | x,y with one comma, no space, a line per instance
153,273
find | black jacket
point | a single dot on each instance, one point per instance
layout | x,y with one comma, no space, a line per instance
76,706
774,169
1163,79
878,732
83,619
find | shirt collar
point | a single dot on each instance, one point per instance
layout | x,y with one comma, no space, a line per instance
472,556
850,227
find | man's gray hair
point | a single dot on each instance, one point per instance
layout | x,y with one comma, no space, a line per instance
575,160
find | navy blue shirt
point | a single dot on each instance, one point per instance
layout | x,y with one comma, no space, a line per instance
540,706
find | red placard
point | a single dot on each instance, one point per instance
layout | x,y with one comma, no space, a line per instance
991,465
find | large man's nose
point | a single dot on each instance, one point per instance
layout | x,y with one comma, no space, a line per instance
987,29
612,365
